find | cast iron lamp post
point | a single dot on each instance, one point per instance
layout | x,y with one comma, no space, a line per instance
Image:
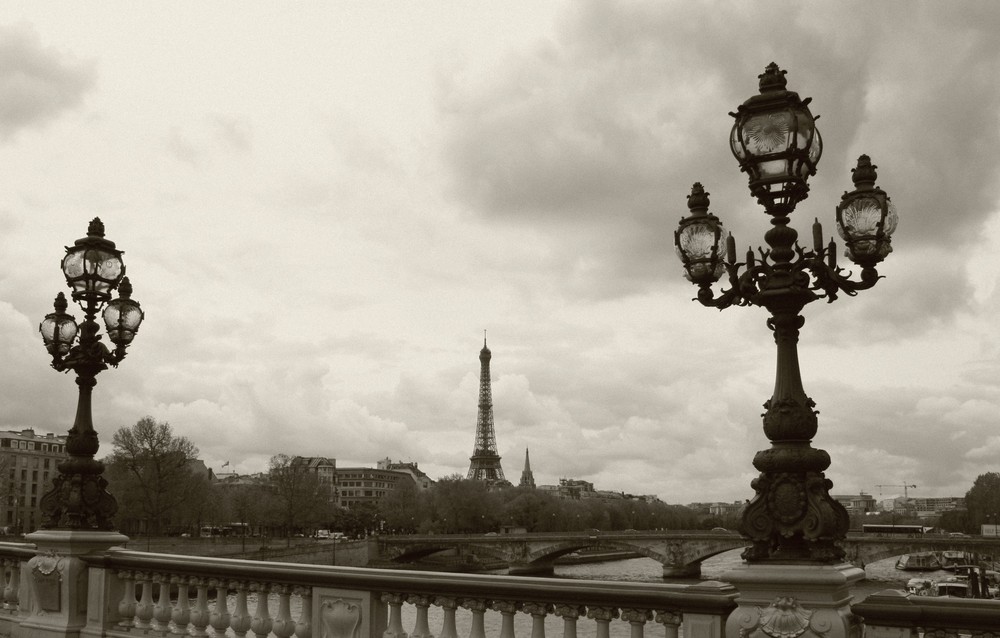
94,269
792,517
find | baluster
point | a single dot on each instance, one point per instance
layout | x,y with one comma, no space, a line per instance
478,609
670,622
420,627
219,618
162,610
261,624
538,613
200,615
144,608
284,626
240,620
507,609
395,628
6,564
603,616
570,614
126,608
448,606
10,596
303,628
637,618
181,615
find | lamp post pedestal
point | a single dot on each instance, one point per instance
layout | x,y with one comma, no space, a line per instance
806,601
59,581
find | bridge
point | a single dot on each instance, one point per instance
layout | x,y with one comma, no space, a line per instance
680,552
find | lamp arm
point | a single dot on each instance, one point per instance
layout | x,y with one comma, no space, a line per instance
833,279
114,357
742,286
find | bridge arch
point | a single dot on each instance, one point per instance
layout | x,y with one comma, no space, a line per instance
568,547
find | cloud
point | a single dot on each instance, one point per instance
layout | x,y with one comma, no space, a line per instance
37,84
595,135
234,133
318,263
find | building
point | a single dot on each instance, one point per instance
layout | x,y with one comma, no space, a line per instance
325,470
28,463
857,504
723,510
422,481
361,485
527,478
197,467
574,489
938,504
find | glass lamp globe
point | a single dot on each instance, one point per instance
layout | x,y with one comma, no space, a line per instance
122,316
58,329
776,142
93,266
698,239
866,218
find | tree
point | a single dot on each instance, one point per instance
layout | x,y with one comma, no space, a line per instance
150,474
460,505
301,498
982,501
401,508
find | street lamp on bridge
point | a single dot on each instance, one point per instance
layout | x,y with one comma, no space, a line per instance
792,518
94,269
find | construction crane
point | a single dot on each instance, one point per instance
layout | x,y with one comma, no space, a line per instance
905,488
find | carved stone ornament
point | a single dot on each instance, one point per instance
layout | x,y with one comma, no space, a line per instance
47,580
784,618
340,619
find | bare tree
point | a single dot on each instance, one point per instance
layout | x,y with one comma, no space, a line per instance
301,497
149,469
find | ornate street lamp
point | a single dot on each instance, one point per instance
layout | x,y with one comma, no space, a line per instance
792,517
94,270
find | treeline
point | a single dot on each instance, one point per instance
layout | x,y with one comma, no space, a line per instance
455,505
153,475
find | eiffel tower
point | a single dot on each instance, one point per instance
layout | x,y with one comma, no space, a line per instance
485,462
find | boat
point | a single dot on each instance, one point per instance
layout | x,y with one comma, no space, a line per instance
949,558
951,589
919,586
924,561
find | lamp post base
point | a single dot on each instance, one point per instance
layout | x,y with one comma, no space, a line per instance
59,582
806,601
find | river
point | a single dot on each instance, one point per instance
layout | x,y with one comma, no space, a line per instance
879,575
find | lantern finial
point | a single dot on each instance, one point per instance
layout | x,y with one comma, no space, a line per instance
864,175
60,303
125,288
96,227
698,199
772,79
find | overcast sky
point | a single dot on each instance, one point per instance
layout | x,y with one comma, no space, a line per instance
323,205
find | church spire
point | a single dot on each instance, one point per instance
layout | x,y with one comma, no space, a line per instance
527,478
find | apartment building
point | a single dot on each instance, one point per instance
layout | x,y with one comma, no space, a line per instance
357,485
27,466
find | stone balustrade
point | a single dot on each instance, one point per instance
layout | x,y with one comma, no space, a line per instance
137,593
896,614
130,593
